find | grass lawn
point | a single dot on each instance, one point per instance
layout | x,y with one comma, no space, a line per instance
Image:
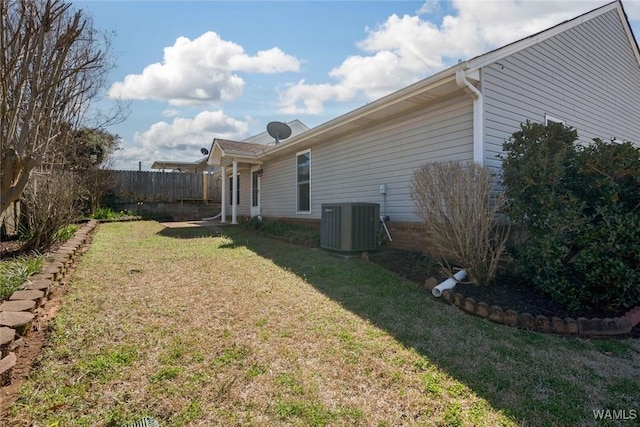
193,328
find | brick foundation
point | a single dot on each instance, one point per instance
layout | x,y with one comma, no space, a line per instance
407,236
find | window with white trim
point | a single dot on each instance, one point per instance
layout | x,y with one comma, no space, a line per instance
303,182
550,119
255,177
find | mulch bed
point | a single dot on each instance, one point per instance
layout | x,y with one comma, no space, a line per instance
10,248
507,292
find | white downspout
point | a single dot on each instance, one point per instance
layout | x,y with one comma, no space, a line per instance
478,157
478,115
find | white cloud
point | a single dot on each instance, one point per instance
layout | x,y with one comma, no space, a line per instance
170,112
199,71
303,98
179,140
407,48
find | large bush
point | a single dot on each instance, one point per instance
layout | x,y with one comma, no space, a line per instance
579,206
461,217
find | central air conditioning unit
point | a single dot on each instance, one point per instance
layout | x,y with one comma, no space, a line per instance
349,227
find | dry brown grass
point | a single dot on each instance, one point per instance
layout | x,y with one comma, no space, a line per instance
201,330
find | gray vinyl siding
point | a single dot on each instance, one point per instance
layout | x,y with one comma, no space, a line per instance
351,169
278,186
586,76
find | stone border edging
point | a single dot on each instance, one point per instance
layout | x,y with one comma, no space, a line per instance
22,308
564,326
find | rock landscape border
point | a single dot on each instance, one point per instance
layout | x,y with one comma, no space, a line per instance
20,313
582,326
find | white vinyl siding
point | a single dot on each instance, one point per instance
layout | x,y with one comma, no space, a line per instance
352,167
586,76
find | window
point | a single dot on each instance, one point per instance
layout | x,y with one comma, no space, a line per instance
550,119
303,179
231,189
254,188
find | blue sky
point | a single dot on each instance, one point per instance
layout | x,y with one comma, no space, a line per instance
195,70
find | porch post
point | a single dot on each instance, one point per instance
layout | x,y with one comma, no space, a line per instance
234,193
223,191
205,181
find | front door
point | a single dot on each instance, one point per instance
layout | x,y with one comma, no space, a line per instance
255,191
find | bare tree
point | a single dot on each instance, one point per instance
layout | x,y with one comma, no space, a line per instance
462,218
49,203
52,65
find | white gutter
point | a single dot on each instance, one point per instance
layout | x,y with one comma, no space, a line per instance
449,283
478,115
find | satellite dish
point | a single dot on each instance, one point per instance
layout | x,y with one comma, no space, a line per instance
279,130
204,151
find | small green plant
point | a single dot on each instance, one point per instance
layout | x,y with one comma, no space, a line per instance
579,206
255,223
106,364
65,233
14,272
166,373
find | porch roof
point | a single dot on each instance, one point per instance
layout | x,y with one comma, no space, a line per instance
224,152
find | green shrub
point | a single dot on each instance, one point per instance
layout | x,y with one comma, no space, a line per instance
255,223
580,208
105,213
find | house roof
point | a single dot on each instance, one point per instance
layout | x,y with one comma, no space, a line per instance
296,126
438,85
237,150
239,147
249,148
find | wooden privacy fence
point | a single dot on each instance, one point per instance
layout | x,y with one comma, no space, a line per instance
144,186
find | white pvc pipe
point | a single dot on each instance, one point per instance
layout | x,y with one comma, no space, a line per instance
211,218
449,283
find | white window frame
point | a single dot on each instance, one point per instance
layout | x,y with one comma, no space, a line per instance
551,119
298,211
